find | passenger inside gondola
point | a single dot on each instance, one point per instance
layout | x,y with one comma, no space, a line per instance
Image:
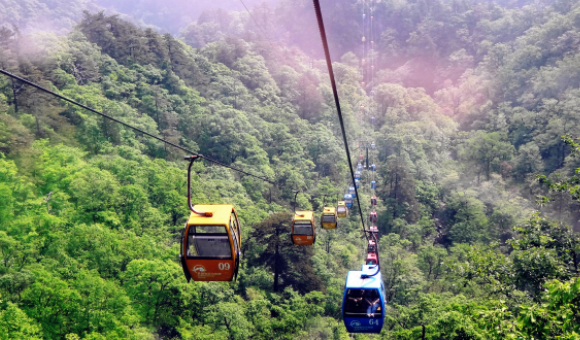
363,303
373,302
208,241
354,301
302,227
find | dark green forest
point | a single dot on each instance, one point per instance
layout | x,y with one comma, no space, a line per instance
477,126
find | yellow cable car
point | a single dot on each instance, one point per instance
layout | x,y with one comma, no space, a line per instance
303,229
342,210
211,241
329,218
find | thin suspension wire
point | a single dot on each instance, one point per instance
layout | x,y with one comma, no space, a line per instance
373,90
259,26
255,21
6,73
362,66
366,49
372,52
363,75
337,102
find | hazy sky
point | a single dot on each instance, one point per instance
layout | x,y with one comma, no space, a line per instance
173,15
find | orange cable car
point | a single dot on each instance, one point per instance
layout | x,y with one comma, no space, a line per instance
342,210
303,230
211,241
303,226
329,218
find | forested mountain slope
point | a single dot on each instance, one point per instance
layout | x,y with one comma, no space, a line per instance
471,102
58,16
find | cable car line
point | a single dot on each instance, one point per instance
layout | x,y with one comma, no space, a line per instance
256,22
6,73
337,102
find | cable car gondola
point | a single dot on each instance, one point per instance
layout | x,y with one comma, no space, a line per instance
352,192
348,200
329,218
303,230
359,167
357,183
373,184
211,240
357,175
374,200
372,257
342,210
373,167
373,145
363,301
374,231
373,217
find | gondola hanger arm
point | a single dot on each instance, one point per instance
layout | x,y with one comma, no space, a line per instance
192,159
296,204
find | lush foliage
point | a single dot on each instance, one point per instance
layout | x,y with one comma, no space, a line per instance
476,115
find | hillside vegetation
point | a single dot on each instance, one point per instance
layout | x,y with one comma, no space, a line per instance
477,115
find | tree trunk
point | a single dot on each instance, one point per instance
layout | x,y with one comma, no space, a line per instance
563,156
395,191
37,124
487,170
276,267
575,259
228,327
14,94
235,96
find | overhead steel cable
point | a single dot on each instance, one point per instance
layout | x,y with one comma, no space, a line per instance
6,73
256,22
274,51
337,102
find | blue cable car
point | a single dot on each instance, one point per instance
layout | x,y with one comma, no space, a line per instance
356,183
359,167
363,302
373,184
373,120
373,167
357,175
352,192
373,146
348,200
